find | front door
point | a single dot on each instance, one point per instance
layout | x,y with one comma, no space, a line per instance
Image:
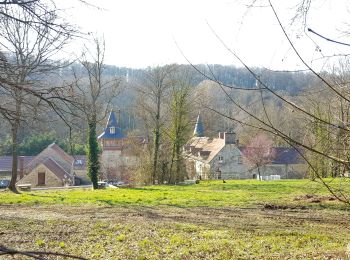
41,178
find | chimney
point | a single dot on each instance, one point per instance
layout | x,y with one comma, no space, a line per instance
21,166
221,135
230,138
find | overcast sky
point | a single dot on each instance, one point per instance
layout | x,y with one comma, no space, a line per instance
141,33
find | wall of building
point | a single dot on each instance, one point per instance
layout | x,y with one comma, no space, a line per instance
51,180
82,175
229,162
286,171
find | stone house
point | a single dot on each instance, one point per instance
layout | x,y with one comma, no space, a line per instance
118,160
223,158
53,167
215,158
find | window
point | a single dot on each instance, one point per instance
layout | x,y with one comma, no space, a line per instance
112,130
221,158
239,160
79,162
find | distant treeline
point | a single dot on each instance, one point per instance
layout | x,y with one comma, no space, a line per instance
290,82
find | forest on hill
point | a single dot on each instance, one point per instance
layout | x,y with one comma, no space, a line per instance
33,139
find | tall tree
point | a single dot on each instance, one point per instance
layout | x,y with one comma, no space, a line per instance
94,92
26,50
181,100
152,94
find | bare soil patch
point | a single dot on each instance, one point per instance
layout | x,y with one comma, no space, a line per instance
164,232
312,198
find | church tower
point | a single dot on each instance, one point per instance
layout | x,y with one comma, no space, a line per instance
112,142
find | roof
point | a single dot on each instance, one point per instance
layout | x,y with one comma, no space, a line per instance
52,151
199,128
79,162
287,155
61,152
208,147
112,130
6,162
281,155
205,149
55,168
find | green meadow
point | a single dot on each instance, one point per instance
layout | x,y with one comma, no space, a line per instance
238,193
243,219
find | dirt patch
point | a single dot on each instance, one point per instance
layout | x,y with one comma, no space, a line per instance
165,232
312,198
277,207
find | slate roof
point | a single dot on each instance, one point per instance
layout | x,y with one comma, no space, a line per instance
282,155
112,122
6,162
199,128
287,156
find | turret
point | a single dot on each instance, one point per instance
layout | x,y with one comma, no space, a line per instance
198,129
112,136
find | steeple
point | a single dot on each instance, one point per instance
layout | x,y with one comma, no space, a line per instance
199,129
112,130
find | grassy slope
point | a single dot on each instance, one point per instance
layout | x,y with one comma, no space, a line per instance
212,220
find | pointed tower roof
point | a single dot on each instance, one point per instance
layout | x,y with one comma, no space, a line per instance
199,129
112,130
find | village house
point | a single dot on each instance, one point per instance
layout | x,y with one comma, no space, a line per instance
224,158
53,167
118,160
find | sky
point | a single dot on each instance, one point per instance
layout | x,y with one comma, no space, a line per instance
141,33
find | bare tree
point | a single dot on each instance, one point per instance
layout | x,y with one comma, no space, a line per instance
25,60
259,152
94,93
151,103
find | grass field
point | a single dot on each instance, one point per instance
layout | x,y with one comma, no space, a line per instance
210,220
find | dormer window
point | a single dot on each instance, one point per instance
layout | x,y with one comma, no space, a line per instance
112,130
79,162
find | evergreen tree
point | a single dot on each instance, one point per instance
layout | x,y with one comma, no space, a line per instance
92,155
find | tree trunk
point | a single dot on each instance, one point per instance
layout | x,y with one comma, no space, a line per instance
12,186
259,172
171,180
92,152
178,163
156,141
